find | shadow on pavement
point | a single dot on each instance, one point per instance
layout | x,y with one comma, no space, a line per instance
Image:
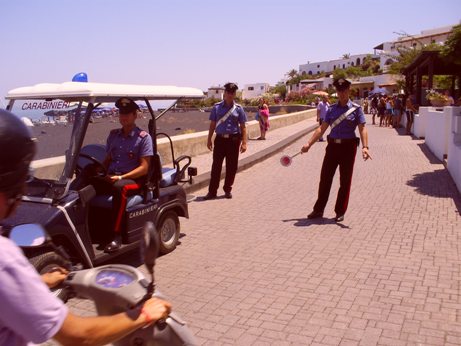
436,184
304,222
202,198
431,157
401,131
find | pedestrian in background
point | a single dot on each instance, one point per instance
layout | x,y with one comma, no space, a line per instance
410,110
322,109
398,107
343,117
263,118
365,106
382,110
228,119
389,111
374,108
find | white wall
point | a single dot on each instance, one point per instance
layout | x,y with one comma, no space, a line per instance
438,125
251,91
454,147
419,125
215,94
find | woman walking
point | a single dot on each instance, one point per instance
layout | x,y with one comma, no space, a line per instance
263,111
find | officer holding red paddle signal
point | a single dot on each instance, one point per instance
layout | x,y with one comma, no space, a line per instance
343,117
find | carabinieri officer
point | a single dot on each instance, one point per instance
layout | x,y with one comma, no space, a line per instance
229,120
128,153
341,149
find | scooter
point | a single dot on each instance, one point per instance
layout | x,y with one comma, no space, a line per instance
117,288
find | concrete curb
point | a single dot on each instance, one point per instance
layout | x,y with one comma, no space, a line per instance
202,180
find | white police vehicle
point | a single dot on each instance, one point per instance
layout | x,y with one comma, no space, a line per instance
78,220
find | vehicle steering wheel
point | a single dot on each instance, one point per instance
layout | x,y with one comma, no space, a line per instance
103,171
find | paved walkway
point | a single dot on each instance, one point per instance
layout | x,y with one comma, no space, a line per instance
254,271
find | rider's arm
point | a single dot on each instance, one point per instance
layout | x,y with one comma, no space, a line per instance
139,171
105,329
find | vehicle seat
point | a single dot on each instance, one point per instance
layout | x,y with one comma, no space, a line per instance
168,176
105,201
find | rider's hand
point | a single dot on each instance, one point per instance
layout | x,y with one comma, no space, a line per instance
155,309
209,144
243,147
55,277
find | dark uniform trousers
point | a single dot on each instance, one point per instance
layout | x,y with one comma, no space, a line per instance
342,155
224,148
120,191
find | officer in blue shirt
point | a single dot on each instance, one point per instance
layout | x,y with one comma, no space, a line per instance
228,119
128,155
340,151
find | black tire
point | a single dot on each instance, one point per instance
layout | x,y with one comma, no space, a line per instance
44,262
168,229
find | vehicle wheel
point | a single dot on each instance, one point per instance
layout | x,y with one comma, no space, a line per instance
44,263
169,228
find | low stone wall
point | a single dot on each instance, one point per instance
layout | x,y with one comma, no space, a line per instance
191,144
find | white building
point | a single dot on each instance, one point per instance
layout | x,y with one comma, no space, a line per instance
361,86
215,92
389,49
331,65
251,91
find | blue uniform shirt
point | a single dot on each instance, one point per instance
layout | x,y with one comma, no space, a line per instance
346,128
232,124
126,152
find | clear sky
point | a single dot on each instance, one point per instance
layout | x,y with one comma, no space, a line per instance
196,43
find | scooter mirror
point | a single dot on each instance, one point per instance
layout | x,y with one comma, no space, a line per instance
150,245
28,235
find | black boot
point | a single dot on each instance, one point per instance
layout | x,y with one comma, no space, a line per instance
114,245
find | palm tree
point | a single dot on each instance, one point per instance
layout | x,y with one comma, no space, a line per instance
346,55
292,73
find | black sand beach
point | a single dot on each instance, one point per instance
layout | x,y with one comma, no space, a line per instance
53,140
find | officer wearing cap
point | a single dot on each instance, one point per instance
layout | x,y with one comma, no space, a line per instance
127,162
341,149
228,119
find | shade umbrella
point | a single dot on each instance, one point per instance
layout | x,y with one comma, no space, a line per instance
378,91
320,93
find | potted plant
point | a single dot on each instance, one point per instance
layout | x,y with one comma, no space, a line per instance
437,99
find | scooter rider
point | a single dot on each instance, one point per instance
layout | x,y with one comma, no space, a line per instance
30,313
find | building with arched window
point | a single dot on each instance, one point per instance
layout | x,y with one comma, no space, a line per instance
331,65
387,50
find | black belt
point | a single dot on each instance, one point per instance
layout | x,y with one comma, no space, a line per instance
228,135
343,140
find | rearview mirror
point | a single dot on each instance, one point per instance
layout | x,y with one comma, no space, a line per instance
150,245
28,235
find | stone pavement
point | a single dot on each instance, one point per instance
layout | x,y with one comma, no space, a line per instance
254,271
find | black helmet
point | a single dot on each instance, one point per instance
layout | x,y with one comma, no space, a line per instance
17,149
